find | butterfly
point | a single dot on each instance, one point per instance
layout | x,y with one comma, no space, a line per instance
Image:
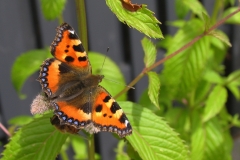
79,102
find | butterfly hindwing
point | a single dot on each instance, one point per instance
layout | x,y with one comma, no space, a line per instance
108,115
97,111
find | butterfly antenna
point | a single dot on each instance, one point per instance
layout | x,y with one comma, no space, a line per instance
104,60
119,83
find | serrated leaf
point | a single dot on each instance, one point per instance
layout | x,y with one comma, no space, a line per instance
52,9
234,19
113,78
152,138
215,102
37,140
25,65
213,77
142,20
221,36
153,88
150,52
182,73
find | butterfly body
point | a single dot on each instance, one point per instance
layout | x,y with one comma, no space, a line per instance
79,102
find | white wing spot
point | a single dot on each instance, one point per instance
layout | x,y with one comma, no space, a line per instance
71,31
126,123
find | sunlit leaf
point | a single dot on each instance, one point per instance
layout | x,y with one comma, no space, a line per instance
150,52
234,19
153,88
37,140
143,20
215,102
152,138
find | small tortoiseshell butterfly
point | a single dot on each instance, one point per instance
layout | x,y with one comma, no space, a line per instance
78,100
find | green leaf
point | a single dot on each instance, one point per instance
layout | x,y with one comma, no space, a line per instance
234,19
181,9
235,120
198,138
213,77
182,73
113,80
215,147
177,23
235,90
221,36
196,7
20,120
207,21
234,78
152,138
202,91
153,88
233,83
37,140
142,20
180,122
25,65
52,9
215,102
145,101
150,52
165,43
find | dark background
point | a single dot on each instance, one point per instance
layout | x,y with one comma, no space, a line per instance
23,27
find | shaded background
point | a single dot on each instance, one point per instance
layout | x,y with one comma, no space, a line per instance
22,28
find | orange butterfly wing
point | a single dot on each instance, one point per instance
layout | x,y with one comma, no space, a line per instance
68,48
79,102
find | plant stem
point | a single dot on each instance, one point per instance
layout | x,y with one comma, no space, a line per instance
91,147
5,129
82,27
82,22
146,70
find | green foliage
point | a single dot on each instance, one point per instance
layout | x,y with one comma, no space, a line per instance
192,122
142,20
149,51
153,88
234,19
30,60
152,138
107,70
52,9
36,140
